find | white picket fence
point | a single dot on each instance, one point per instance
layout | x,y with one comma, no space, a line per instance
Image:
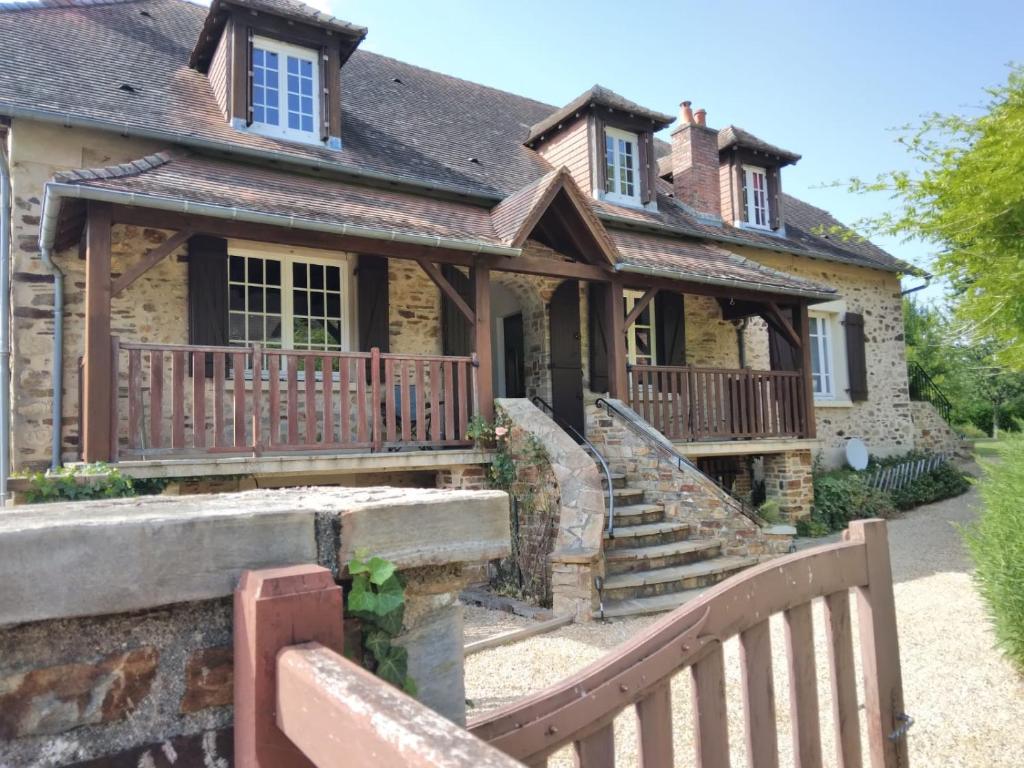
900,475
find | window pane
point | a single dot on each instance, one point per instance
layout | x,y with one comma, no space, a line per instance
333,333
273,300
236,327
256,328
255,298
274,330
334,305
316,276
254,271
265,86
333,279
301,302
300,94
299,275
236,269
236,298
273,272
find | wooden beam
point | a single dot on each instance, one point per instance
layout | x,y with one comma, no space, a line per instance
784,324
97,387
810,427
447,289
640,306
150,260
616,340
482,340
536,265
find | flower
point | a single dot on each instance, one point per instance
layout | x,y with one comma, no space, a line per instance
500,431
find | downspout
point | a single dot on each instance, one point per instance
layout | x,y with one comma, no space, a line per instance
5,318
57,373
741,342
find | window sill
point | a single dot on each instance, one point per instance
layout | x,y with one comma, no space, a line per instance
295,137
833,403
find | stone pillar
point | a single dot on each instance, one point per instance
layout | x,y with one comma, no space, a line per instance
473,477
573,591
788,480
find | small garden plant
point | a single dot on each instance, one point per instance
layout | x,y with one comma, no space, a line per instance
996,544
377,598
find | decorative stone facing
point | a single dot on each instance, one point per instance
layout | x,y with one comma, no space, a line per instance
55,699
788,479
209,679
931,432
688,497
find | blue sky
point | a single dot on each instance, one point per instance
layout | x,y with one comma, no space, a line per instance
829,80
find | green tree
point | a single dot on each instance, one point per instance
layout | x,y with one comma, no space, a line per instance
967,200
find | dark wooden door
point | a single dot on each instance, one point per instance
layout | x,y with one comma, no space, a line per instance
515,356
566,355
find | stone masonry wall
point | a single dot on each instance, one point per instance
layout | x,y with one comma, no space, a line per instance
931,432
884,421
788,480
688,497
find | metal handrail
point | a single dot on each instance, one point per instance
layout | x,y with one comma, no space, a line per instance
681,461
537,400
923,388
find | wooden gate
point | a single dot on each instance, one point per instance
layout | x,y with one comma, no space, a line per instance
386,728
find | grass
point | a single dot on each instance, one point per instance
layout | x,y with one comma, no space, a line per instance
988,447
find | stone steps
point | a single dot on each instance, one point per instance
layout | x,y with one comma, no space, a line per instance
627,496
645,535
641,606
632,515
642,559
618,479
703,573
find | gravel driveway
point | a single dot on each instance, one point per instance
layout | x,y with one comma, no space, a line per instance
967,702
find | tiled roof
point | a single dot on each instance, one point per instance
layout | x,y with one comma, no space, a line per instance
604,97
707,263
509,216
72,57
234,187
731,136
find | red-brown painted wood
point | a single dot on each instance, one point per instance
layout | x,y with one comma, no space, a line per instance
218,399
759,696
257,397
596,750
344,407
238,385
134,398
156,399
435,400
389,399
178,399
274,394
654,727
309,389
292,403
375,401
450,404
803,687
421,398
327,395
711,734
844,685
198,399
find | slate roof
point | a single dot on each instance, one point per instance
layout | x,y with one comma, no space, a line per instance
731,136
73,57
296,198
604,97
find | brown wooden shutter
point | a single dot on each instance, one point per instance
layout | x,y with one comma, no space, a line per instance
248,77
374,306
782,355
456,332
856,358
598,337
645,157
774,198
325,94
670,323
600,165
207,293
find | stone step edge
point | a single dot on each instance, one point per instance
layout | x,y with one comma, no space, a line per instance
662,550
713,567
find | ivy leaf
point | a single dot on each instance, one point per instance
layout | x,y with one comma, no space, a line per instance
362,599
390,595
391,622
377,642
409,686
357,566
394,666
380,570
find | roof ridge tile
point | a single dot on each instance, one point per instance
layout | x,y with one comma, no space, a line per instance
118,170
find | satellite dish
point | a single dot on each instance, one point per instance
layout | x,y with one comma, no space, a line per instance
857,454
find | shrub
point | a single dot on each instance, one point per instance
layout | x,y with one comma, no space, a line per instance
90,481
843,495
996,543
808,527
970,431
943,482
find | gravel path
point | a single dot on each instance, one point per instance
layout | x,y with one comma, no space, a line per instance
967,702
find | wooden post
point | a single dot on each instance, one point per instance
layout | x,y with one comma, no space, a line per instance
810,428
276,608
880,650
615,311
96,440
482,340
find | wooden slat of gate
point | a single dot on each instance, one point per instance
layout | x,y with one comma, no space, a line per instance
803,687
711,734
844,687
274,393
597,750
759,696
156,398
134,398
238,383
654,729
309,369
198,399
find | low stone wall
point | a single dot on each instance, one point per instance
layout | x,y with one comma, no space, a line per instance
688,496
789,480
116,618
931,432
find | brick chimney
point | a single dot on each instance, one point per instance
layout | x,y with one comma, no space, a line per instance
695,162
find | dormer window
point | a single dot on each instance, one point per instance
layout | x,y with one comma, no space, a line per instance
755,197
284,88
622,183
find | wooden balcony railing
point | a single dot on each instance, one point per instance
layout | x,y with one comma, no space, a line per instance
687,403
178,399
298,702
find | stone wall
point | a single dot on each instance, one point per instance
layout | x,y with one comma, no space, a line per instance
129,662
884,420
788,479
688,496
931,432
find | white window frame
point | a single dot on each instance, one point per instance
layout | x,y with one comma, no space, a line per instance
288,257
823,348
632,297
617,196
282,131
749,203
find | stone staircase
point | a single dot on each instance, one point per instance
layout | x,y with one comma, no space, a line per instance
652,564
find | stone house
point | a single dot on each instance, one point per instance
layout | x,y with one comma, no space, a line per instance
243,246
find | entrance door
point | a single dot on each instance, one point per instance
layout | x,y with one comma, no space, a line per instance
566,356
514,355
